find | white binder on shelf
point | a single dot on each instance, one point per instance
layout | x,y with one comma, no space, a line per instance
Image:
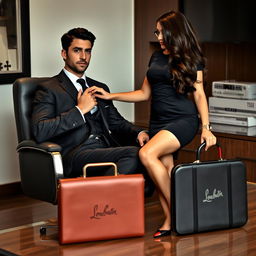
232,106
233,129
234,89
239,120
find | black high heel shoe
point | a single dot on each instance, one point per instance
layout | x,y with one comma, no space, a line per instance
161,233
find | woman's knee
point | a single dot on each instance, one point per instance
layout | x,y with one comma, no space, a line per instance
146,156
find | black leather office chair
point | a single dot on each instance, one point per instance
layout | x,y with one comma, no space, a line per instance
40,164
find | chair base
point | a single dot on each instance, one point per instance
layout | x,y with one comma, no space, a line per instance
51,223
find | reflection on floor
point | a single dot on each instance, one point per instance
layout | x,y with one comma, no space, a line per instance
21,218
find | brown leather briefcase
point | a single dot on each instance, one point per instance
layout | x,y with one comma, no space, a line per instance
100,208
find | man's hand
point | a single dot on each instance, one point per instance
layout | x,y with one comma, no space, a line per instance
86,101
143,138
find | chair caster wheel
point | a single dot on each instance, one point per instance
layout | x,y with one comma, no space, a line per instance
42,230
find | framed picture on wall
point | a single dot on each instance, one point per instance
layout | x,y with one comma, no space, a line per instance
14,40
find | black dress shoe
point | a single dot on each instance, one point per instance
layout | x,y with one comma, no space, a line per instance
160,233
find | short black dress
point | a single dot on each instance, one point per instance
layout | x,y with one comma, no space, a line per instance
169,110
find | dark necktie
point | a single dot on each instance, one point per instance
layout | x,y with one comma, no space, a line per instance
82,82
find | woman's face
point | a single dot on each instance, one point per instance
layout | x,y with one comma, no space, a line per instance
159,35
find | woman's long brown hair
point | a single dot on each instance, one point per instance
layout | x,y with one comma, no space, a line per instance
185,52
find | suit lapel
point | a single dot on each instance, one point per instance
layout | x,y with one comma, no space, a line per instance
67,85
89,82
100,106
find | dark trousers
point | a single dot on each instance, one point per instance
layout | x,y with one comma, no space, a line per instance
96,151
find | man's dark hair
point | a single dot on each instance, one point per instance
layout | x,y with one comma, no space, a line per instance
79,33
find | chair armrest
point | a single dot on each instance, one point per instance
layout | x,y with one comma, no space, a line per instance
40,168
45,146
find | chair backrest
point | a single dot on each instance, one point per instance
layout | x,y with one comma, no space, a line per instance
23,95
37,169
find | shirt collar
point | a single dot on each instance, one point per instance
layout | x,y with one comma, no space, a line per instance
73,77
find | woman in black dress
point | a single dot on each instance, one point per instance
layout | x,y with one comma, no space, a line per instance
174,73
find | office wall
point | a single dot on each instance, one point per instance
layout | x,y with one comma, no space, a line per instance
112,58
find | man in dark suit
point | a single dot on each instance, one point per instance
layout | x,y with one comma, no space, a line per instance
67,113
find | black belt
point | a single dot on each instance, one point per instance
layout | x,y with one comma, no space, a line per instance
99,138
95,137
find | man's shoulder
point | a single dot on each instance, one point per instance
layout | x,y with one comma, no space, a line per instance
51,81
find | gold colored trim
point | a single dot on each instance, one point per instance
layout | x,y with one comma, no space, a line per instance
100,164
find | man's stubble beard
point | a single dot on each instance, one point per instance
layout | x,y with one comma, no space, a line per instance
76,70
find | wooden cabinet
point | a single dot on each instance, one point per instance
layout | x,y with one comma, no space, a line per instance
229,61
146,13
233,146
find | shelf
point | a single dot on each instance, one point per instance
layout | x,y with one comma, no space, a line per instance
3,18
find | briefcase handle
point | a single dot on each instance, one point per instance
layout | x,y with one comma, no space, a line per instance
100,164
200,148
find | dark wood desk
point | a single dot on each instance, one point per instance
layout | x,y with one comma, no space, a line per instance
233,146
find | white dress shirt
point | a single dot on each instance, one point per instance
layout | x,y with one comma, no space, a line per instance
78,86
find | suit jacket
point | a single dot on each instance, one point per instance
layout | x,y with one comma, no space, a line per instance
55,117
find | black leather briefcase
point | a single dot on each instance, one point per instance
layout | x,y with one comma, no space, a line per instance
208,195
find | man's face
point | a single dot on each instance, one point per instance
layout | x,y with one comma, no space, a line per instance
78,57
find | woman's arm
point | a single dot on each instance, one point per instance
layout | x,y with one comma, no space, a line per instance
202,106
142,94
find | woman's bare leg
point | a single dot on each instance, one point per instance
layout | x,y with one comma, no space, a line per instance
154,157
167,161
